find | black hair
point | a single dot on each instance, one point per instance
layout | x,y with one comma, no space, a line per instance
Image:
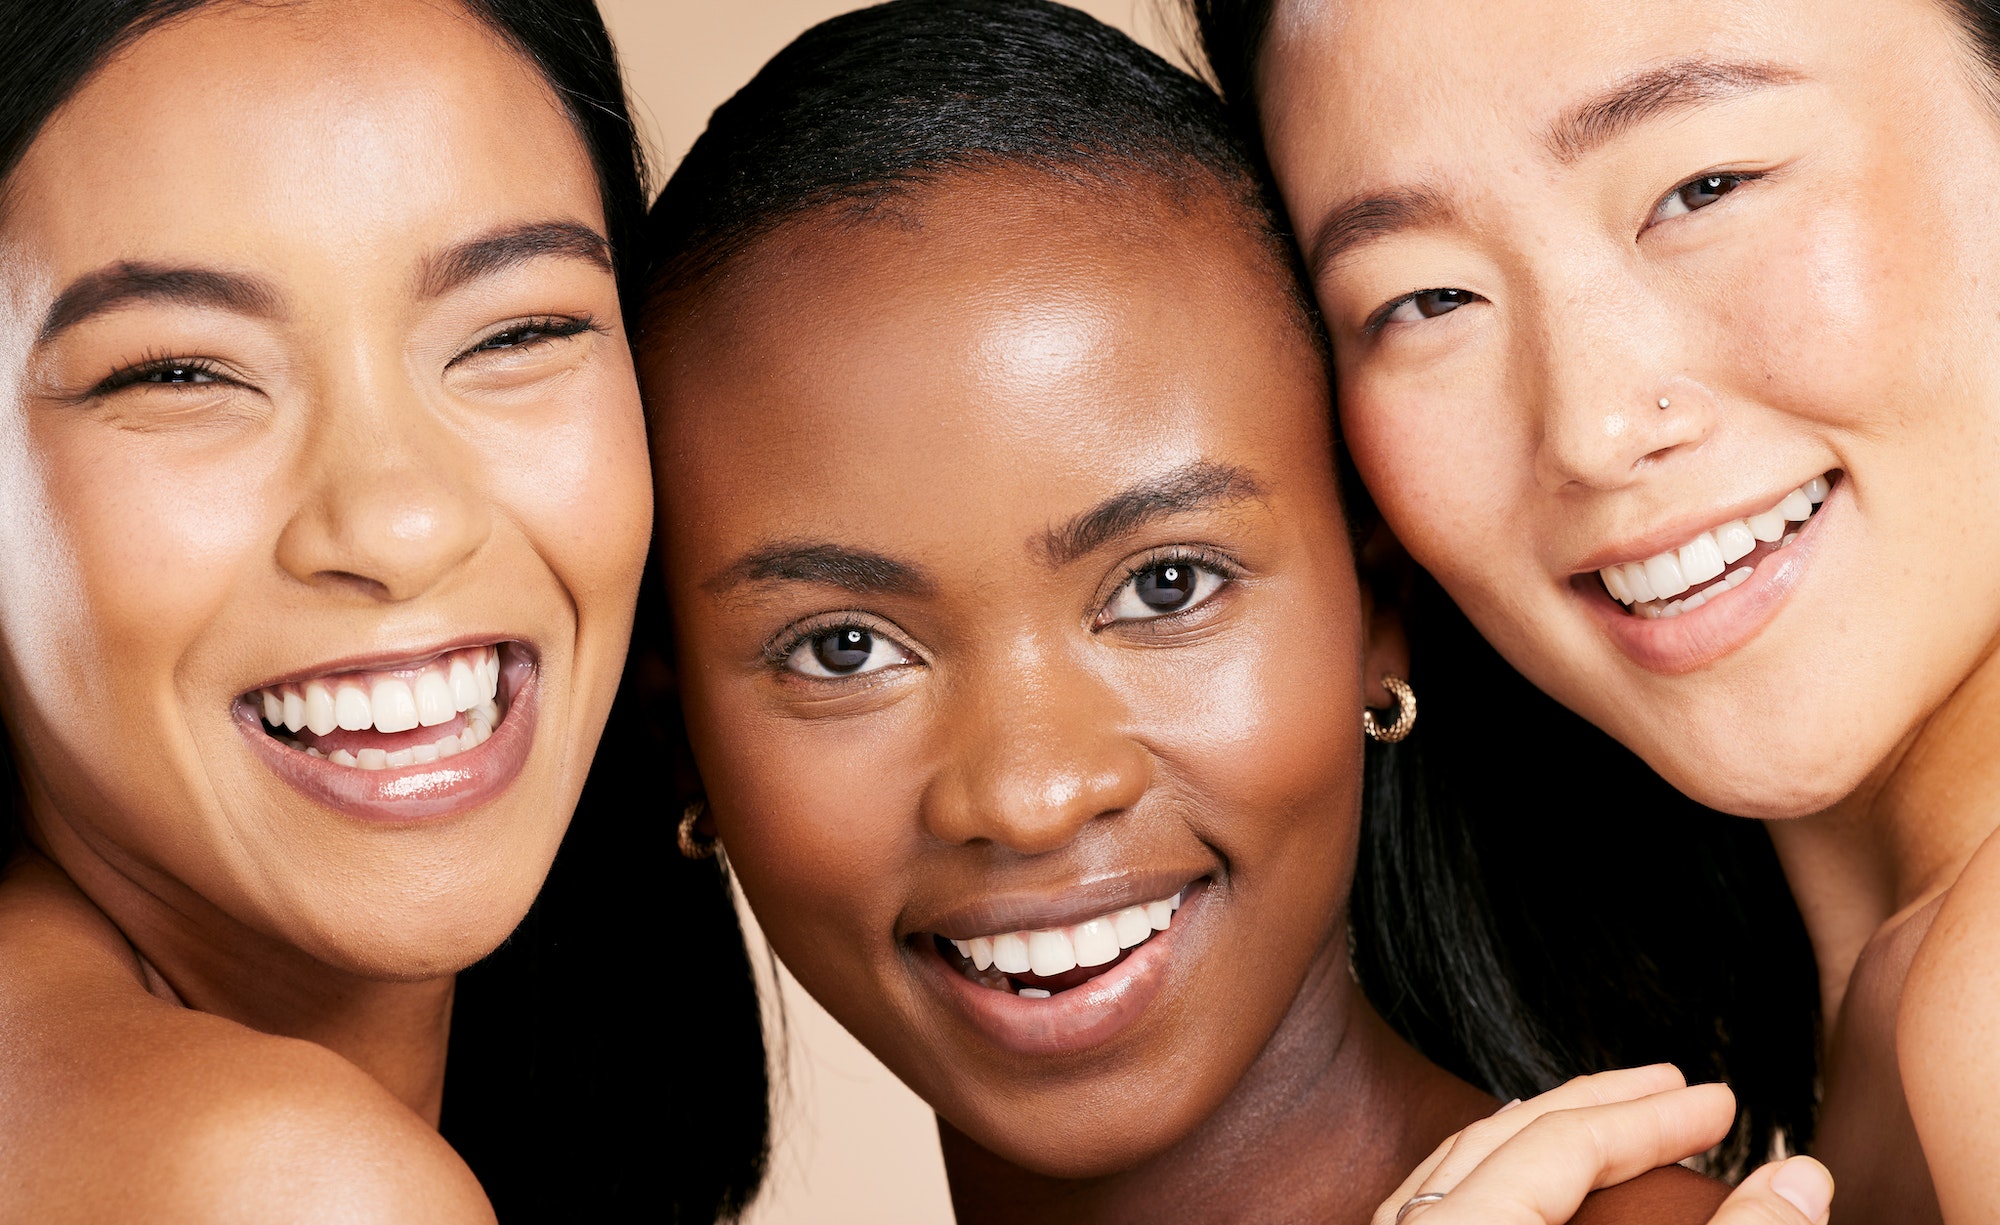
590,1074
1533,901
1517,932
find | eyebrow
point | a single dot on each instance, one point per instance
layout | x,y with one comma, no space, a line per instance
1360,220
824,565
509,248
1655,92
123,284
1197,486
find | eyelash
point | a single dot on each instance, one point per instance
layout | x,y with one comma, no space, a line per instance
539,330
1195,556
778,652
134,373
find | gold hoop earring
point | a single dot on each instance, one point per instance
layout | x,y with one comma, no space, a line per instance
1406,713
693,845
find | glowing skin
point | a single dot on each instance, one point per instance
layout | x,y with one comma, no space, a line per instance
881,450
1780,233
370,456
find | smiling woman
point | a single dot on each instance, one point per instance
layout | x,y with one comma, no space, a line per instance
323,505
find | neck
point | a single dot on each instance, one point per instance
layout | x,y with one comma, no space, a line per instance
1325,1124
191,953
1901,838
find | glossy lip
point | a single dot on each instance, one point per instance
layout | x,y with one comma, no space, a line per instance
388,661
1671,646
1682,530
414,793
1081,1017
1012,912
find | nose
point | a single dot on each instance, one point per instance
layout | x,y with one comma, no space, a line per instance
1034,754
390,501
1612,404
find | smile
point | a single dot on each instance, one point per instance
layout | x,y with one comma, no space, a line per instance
428,737
1707,568
1041,964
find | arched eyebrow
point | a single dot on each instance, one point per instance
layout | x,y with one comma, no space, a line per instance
510,247
1198,486
122,284
1648,95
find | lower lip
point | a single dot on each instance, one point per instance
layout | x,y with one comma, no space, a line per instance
1074,1020
414,793
1674,645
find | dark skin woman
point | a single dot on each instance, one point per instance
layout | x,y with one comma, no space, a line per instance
1019,633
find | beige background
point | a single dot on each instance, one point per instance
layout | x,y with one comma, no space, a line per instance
851,1143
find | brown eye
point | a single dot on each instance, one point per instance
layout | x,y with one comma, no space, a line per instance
1697,193
845,650
1428,304
1162,589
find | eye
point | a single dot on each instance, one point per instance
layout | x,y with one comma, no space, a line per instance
844,650
1426,304
531,332
164,372
1698,193
1161,590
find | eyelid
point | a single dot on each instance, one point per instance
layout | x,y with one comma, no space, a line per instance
133,373
1206,557
1744,178
556,327
779,647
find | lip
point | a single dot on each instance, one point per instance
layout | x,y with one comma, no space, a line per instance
414,793
1671,646
1677,533
397,661
1028,911
1079,1018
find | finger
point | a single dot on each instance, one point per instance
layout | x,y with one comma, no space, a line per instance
1541,1174
1794,1192
1473,1145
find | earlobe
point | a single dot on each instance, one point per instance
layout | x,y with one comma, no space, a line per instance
1387,578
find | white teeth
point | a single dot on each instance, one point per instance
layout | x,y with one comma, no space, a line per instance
465,688
1735,541
341,757
1663,573
1645,585
274,709
1095,942
401,758
372,759
1010,953
1160,914
350,709
1132,926
981,952
319,709
1032,993
394,705
1050,952
448,747
424,754
434,704
964,948
1701,559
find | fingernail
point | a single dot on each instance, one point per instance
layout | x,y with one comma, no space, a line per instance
1805,1185
1508,1106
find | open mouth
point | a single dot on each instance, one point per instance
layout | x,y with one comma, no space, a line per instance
1044,963
1717,561
388,719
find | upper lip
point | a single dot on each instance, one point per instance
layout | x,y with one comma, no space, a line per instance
1026,910
1677,532
392,659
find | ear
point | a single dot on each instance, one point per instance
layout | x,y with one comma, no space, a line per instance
1387,577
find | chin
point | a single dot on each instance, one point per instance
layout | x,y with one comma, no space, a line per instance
401,937
1768,778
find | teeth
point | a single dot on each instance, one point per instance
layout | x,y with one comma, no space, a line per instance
1010,953
274,709
964,948
465,688
350,710
981,952
1050,952
434,704
1644,585
341,757
1096,942
1159,914
1032,993
372,759
1132,926
319,709
424,754
394,705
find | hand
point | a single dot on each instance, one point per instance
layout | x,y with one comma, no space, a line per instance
1532,1162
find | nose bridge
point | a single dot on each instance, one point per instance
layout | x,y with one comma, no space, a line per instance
1033,753
390,492
1606,378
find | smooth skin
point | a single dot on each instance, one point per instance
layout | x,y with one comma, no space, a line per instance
220,1000
968,433
1776,216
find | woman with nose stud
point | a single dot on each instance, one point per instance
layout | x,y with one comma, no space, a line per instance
323,506
1017,624
1663,343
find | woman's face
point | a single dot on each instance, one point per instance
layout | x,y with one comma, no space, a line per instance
1617,294
1012,605
319,447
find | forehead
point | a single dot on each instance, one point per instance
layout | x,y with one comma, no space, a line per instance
262,131
1004,333
1418,84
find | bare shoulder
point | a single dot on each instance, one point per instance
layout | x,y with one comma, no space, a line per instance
118,1106
1670,1196
1948,1040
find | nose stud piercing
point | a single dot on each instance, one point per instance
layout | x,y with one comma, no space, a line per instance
1663,402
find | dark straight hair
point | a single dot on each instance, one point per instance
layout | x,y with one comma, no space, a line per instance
1530,902
1535,902
580,1085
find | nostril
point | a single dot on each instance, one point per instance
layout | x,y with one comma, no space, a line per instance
360,584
